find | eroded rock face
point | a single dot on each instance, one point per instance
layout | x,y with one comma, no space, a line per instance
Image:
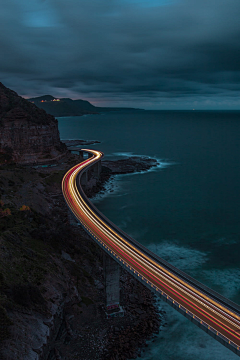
27,134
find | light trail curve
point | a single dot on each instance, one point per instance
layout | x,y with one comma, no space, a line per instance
209,310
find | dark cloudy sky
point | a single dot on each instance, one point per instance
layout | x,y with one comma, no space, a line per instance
155,54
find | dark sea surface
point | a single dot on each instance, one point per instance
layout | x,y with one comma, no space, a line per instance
187,210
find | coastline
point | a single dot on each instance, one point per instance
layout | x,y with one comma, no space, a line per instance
70,319
111,168
128,339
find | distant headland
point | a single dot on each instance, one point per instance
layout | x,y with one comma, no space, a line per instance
67,107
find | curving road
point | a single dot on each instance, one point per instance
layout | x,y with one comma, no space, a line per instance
209,310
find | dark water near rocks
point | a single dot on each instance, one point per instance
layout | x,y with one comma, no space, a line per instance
187,210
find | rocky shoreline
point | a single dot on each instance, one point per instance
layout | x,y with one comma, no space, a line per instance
110,168
54,306
70,143
131,165
127,339
143,322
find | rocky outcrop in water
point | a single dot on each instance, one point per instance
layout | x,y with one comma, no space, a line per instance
27,134
131,165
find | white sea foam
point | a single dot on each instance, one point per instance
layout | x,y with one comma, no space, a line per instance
125,154
110,187
161,164
113,185
182,340
225,241
179,256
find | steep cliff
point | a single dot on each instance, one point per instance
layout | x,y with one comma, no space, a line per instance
27,134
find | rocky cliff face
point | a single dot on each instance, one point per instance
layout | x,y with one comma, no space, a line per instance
27,134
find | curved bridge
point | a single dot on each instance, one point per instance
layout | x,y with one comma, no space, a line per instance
210,311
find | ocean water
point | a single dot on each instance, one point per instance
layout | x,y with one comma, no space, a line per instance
187,210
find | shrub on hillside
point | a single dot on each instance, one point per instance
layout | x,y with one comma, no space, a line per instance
5,212
25,208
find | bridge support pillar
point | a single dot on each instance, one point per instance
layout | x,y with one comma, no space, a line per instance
112,289
84,178
80,153
97,169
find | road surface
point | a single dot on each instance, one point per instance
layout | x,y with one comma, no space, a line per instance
209,309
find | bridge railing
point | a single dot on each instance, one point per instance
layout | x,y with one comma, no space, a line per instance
159,292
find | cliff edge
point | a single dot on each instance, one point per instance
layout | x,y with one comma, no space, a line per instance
27,134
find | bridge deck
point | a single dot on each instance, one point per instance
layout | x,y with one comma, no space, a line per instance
212,312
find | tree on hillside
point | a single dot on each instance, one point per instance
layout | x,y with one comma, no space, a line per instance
5,212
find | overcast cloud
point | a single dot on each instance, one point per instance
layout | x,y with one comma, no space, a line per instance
152,54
